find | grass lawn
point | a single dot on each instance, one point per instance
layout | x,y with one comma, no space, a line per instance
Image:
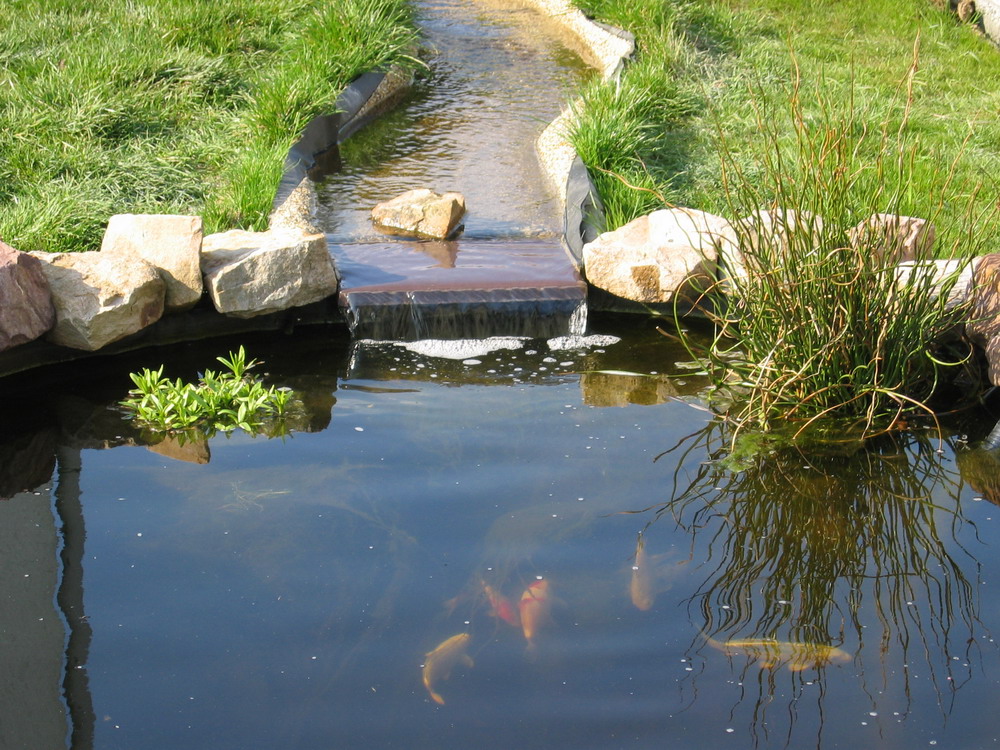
168,106
708,72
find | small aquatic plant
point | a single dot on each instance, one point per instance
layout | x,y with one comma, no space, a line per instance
219,402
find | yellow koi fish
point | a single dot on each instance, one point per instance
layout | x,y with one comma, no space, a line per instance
535,607
771,652
439,662
642,588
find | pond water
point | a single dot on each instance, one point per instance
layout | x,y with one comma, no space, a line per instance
537,545
286,592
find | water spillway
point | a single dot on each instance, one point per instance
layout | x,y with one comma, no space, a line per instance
495,78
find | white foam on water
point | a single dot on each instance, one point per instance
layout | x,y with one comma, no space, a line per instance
564,343
461,348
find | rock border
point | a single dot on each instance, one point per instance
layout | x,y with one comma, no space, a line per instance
294,211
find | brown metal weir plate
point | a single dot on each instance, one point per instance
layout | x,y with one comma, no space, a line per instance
414,266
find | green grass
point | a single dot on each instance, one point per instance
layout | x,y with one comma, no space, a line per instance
167,106
703,65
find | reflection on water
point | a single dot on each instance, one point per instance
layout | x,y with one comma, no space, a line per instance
810,558
287,592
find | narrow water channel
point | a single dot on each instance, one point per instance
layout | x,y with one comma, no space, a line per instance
497,76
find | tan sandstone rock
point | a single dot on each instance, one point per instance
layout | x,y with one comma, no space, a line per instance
895,238
255,273
26,309
983,326
100,298
169,243
421,212
655,257
765,236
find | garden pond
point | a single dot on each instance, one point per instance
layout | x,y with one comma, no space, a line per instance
287,592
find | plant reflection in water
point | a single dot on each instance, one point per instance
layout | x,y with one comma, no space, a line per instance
857,552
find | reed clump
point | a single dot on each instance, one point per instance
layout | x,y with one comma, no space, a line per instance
819,321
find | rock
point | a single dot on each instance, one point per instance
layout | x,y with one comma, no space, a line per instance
655,257
610,389
934,274
100,298
421,212
26,309
765,236
171,244
983,326
193,450
255,273
896,239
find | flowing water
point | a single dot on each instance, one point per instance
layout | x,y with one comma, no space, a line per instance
496,77
568,508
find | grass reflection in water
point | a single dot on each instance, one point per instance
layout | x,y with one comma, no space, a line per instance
818,555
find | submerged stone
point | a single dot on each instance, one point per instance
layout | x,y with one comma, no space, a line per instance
422,213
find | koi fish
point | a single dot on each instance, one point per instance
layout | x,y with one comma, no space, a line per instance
501,606
771,652
641,589
439,662
535,607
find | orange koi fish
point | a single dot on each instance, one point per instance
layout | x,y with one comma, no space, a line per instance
641,589
439,662
501,606
535,607
772,653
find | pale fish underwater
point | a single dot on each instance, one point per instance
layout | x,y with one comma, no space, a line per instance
771,652
439,662
651,575
536,609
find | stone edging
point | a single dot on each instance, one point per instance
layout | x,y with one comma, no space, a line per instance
607,49
364,99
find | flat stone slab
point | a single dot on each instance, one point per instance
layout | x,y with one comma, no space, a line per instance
459,289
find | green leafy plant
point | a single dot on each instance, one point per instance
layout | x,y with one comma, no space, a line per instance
220,402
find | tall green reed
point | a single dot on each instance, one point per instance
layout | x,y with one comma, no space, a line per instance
819,323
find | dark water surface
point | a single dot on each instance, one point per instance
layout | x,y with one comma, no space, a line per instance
284,594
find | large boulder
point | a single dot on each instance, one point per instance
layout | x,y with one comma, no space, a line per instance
422,213
100,298
765,237
983,326
896,239
653,258
255,273
171,244
26,309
